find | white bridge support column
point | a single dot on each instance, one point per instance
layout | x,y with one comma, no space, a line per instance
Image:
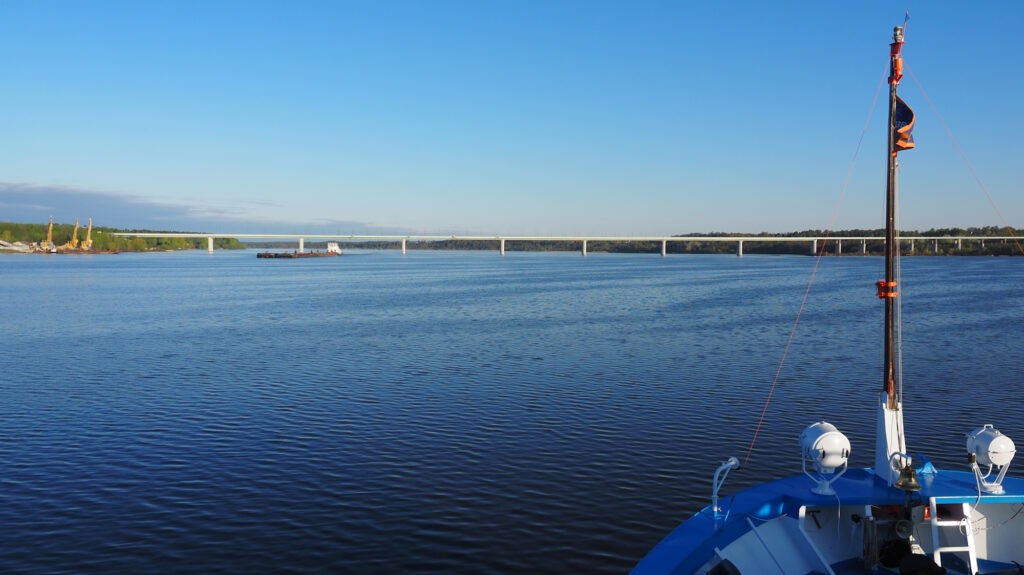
739,248
664,245
814,247
403,246
839,247
209,244
502,248
584,248
982,244
958,244
935,246
302,245
911,246
863,246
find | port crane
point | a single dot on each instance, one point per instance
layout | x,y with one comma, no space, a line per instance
87,244
72,244
47,244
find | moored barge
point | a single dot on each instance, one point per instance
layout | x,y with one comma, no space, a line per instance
332,251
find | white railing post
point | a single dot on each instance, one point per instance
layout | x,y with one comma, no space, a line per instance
726,467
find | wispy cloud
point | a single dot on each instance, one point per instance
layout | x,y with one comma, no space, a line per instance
26,202
31,207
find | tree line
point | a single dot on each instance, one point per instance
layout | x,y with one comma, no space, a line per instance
103,238
873,247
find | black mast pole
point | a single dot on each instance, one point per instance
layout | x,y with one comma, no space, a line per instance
887,291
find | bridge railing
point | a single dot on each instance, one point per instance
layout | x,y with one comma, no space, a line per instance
583,240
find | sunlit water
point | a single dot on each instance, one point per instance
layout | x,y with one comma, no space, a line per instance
449,412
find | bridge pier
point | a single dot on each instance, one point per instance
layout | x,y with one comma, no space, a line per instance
935,246
839,247
302,245
209,244
584,248
663,247
863,246
958,244
403,246
982,244
911,246
739,249
814,247
501,249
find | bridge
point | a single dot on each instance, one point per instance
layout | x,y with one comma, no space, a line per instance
664,240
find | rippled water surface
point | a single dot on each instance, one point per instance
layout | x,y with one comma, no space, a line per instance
449,411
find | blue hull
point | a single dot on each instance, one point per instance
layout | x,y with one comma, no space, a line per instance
691,545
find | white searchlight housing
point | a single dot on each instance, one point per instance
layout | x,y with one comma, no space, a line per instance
828,450
986,446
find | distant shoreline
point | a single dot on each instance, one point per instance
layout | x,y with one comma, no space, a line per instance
28,238
852,249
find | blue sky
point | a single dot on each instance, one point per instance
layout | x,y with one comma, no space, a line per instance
499,117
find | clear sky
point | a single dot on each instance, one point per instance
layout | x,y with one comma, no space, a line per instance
511,117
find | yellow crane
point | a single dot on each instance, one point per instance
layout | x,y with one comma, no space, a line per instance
47,244
73,242
87,244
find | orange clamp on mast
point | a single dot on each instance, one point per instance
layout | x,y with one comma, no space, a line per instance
886,289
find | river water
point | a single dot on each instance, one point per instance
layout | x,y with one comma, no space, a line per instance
451,412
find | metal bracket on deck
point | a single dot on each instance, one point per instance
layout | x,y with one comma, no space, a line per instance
720,474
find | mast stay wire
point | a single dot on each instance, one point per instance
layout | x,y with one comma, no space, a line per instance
963,156
817,262
899,309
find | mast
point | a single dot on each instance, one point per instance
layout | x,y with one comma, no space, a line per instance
888,290
890,442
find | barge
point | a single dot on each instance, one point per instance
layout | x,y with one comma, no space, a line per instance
332,251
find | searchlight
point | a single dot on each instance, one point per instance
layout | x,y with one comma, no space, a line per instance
828,450
987,446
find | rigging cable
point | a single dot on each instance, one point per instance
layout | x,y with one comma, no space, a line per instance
963,156
817,261
898,421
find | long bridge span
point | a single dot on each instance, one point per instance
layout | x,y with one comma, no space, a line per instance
812,241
